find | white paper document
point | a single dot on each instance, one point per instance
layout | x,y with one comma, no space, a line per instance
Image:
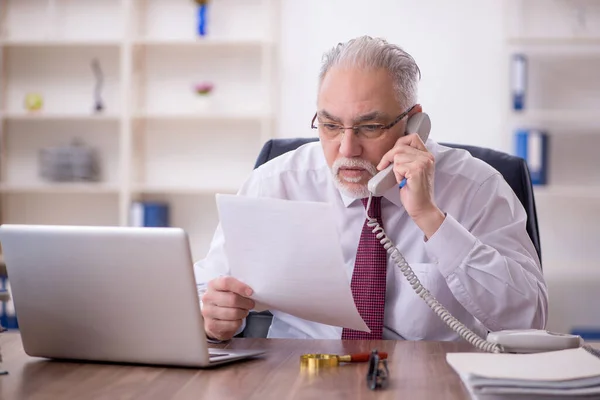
289,253
562,374
561,365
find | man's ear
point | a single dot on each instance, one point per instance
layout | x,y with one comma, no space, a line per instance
416,109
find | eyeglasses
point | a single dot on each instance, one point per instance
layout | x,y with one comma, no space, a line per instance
377,375
331,130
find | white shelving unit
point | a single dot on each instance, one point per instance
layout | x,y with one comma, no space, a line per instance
576,192
561,40
566,119
155,140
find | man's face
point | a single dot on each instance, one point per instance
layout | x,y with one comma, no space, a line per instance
349,97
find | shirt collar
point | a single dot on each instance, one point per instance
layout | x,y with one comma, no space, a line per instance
392,194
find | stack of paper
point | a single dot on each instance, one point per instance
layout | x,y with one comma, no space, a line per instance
564,374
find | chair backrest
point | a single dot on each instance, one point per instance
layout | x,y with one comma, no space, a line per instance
513,169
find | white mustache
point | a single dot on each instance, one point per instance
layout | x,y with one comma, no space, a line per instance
353,163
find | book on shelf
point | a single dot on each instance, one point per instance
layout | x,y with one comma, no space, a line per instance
2,328
1,370
149,214
532,146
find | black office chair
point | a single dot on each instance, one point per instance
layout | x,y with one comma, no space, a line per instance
513,169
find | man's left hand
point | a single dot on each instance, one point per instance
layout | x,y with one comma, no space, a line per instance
414,162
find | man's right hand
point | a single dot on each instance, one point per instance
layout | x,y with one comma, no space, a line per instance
225,304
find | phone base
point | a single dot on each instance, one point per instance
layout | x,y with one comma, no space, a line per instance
533,340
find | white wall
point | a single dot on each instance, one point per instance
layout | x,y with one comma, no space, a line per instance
461,59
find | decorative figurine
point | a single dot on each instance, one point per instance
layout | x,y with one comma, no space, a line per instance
33,102
98,104
203,88
202,9
203,91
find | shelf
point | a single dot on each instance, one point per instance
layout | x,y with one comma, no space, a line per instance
154,138
578,270
58,188
41,116
574,118
58,43
553,41
165,189
581,45
550,41
204,116
203,43
568,191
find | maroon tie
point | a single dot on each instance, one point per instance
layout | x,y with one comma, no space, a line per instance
368,278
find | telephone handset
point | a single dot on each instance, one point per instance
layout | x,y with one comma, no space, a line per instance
385,179
520,341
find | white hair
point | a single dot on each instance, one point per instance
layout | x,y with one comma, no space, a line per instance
366,52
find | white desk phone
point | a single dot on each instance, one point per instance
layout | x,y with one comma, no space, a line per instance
517,341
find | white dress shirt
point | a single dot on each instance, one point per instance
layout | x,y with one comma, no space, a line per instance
480,264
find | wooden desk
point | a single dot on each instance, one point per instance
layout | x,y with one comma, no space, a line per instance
418,370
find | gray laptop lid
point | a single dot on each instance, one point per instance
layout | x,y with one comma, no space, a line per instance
105,293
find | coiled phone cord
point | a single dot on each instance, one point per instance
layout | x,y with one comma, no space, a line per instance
424,294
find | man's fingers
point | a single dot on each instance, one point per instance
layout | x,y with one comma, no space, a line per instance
230,284
223,308
386,160
210,311
400,172
402,149
406,166
402,159
413,140
227,299
221,330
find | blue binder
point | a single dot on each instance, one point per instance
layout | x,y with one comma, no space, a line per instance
519,81
150,214
8,317
532,146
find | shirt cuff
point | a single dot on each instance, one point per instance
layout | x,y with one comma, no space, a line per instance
450,245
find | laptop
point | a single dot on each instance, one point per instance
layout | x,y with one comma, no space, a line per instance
108,294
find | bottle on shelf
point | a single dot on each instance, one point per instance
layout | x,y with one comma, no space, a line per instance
202,11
